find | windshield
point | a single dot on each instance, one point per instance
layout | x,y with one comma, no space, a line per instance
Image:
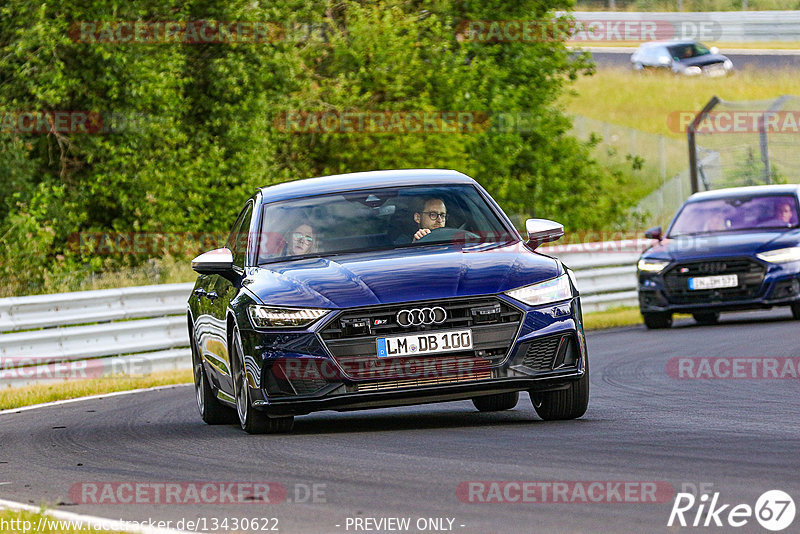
732,214
689,50
377,219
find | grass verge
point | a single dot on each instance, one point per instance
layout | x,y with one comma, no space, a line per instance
37,394
645,101
616,317
612,318
23,522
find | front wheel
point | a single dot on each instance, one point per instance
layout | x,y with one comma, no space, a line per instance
251,420
796,310
654,320
496,403
569,403
211,410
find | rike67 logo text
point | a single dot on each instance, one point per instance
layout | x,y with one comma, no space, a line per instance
774,510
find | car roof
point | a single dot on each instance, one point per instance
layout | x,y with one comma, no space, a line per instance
362,180
753,190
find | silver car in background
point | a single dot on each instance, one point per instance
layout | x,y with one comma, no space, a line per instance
685,57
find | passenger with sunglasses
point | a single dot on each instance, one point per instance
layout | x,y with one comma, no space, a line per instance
432,215
301,241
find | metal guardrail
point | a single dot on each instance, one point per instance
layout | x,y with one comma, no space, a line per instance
605,272
88,334
709,27
139,330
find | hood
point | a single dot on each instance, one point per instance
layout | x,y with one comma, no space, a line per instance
705,246
701,61
408,274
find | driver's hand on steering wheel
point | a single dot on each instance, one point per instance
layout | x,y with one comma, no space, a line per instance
421,232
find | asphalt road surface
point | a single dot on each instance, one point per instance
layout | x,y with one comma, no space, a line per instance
742,60
739,438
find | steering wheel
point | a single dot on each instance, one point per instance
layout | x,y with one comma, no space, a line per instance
447,234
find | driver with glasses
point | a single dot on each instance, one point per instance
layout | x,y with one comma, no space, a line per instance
432,215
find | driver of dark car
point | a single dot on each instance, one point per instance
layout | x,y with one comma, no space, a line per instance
432,215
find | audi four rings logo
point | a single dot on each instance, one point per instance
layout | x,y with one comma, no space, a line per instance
421,316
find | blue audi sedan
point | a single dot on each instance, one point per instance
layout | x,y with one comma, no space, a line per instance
726,250
382,289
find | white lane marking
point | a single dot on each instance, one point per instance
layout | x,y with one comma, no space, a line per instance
98,523
98,396
4,483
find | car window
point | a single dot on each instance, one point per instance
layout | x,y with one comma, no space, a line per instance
238,239
732,214
687,50
378,219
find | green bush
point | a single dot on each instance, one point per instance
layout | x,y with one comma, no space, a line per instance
190,130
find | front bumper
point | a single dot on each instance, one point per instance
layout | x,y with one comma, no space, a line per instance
295,374
780,287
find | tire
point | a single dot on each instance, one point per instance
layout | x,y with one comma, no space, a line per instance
796,310
251,420
496,403
212,411
655,320
569,403
706,318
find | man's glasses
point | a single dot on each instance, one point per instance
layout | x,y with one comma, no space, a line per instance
434,215
297,236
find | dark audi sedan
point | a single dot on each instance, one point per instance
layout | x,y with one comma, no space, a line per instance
726,250
381,289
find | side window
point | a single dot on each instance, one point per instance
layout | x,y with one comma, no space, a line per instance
238,239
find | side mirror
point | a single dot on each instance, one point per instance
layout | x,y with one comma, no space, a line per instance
543,231
654,233
714,50
218,261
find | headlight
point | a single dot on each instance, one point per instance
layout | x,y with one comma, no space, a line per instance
269,317
693,71
543,292
781,255
728,64
651,266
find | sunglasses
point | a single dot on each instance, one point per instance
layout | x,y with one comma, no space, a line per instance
297,236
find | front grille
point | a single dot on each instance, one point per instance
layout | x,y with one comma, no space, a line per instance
750,274
786,289
384,385
288,377
306,386
541,353
492,336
